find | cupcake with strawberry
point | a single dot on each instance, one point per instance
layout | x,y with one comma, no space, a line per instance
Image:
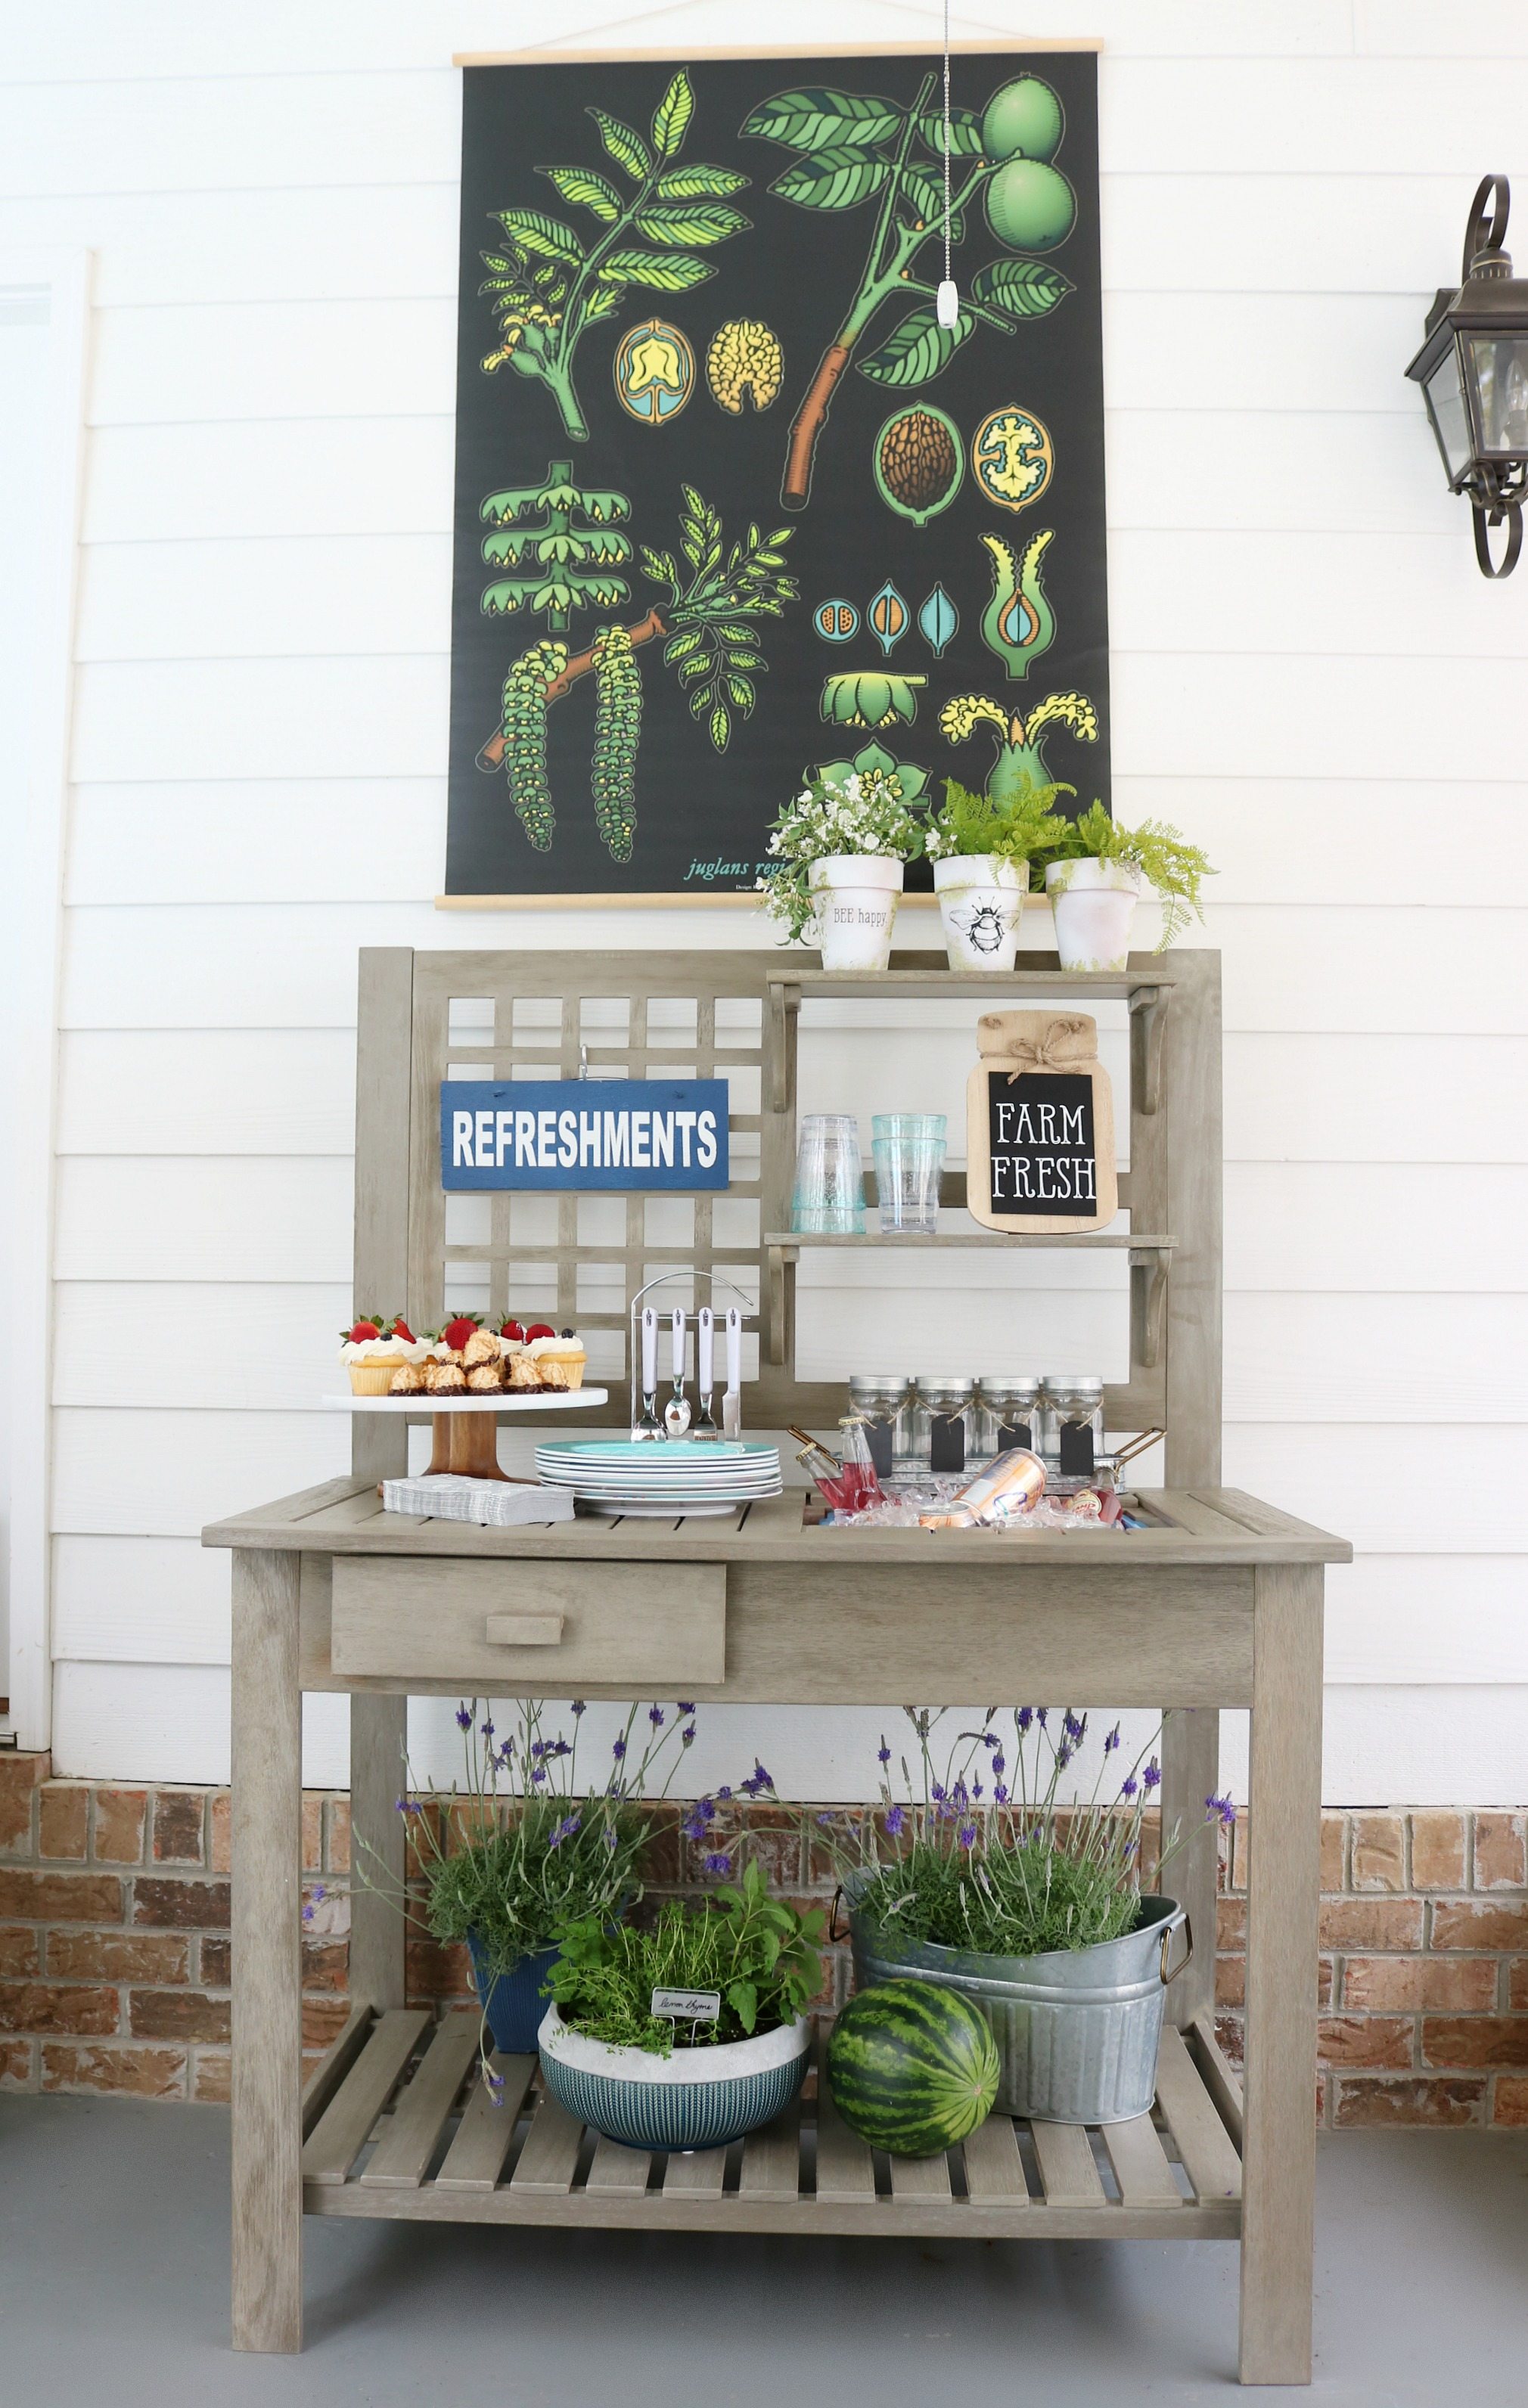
559,1360
374,1348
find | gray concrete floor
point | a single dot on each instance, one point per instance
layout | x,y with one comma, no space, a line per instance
114,2285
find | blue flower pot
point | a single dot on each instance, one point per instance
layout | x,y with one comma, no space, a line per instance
696,2099
512,2001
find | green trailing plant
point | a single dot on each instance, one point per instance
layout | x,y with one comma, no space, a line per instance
713,596
548,284
851,147
1165,858
1019,830
757,1953
1020,762
865,813
982,1852
552,564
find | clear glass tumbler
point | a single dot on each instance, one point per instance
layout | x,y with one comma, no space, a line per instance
909,1158
830,1198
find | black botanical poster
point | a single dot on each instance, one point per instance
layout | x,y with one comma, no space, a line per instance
732,505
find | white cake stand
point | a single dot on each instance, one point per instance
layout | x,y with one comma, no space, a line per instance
463,1427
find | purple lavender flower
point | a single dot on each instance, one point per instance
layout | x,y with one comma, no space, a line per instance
1001,1793
307,1915
1129,1786
716,1862
655,1715
1223,1808
1023,1717
883,1753
1072,1727
684,1708
610,1837
1000,1765
826,1820
580,1706
1112,1741
464,1718
1063,1755
724,1792
564,1831
618,1751
937,1794
318,1891
967,1835
686,1737
538,1776
1039,1715
894,1822
1151,1777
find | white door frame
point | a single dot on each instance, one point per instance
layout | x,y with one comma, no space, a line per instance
62,276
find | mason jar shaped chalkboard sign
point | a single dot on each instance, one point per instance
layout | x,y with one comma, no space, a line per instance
1040,1125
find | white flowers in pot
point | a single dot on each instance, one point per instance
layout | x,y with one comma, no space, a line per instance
1099,871
842,846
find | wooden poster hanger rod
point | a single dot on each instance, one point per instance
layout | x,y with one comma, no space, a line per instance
998,43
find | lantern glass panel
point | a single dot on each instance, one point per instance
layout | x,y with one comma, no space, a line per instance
1498,369
1450,419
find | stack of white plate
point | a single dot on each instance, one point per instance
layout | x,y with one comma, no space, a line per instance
660,1477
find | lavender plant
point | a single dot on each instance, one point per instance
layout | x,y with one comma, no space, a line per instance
985,1855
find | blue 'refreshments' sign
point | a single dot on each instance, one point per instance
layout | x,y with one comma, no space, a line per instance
630,1134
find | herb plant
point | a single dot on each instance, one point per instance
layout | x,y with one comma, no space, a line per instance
757,1953
864,813
1018,830
988,1858
548,285
1165,858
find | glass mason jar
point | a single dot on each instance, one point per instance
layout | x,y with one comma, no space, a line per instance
944,1423
1003,1407
884,1399
1072,1422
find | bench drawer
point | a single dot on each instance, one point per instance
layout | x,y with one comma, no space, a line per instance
498,1625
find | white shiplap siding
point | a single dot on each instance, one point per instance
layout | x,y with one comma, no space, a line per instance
1308,675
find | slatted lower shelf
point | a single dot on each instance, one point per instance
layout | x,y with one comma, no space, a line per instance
398,2124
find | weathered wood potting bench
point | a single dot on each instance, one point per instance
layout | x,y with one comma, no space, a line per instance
1217,1604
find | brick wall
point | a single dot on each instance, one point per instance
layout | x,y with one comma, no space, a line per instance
114,1945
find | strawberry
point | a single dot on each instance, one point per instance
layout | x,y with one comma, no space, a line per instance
401,1329
513,1330
359,1331
457,1332
539,1329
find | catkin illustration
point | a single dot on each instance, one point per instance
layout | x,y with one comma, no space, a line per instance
524,737
617,731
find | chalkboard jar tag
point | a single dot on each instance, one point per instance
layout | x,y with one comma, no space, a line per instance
947,1443
878,1437
1015,1434
1076,1448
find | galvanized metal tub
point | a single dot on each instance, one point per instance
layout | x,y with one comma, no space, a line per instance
1077,2029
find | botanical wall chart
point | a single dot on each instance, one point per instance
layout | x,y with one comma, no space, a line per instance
731,504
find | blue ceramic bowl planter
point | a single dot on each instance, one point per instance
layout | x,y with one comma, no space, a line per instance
696,2099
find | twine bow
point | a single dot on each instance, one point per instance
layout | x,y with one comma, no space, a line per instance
1066,1041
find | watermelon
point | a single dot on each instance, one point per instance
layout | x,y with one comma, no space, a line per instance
913,2067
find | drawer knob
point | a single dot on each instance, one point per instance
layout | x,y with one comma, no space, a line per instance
524,1631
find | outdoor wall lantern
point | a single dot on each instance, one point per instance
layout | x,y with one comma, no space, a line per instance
1472,370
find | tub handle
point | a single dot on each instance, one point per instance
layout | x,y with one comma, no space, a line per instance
1185,1960
833,1931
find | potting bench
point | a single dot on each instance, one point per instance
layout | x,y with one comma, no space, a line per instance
1215,1603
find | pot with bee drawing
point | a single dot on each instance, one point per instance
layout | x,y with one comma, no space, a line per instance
981,903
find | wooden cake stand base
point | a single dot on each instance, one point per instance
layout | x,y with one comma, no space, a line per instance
468,1444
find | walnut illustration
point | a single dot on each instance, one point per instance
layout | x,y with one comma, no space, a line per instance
744,357
920,461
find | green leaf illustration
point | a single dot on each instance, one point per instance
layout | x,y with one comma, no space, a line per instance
671,117
700,181
586,189
926,195
1028,287
836,179
721,727
548,237
741,694
965,132
917,350
698,223
624,146
672,272
604,301
816,117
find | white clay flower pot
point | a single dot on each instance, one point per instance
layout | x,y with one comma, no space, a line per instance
1094,906
856,896
981,903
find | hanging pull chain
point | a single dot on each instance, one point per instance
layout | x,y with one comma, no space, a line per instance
947,301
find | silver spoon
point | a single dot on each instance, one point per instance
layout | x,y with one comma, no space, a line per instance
676,1413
